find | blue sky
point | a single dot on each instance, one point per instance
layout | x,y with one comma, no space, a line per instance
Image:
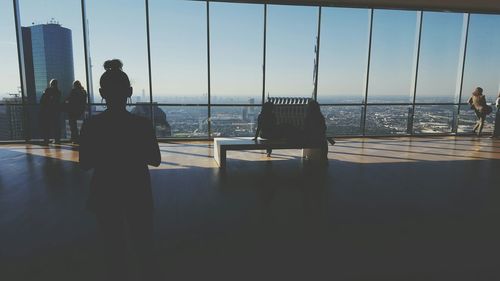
179,51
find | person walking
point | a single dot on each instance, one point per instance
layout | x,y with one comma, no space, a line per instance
119,146
478,103
75,106
50,113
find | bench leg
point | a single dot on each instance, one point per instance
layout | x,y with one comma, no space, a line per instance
219,155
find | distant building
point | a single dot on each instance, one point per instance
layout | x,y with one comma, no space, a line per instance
11,119
161,124
48,54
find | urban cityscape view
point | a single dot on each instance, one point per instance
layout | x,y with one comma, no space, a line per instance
367,85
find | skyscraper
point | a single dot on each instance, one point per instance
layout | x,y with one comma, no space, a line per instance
48,54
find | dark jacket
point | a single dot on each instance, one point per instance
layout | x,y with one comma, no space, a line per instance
119,146
76,102
50,102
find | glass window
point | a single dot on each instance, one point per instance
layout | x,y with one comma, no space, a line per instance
117,29
392,56
236,50
179,51
440,55
343,55
53,49
9,68
291,40
234,121
482,59
434,119
342,120
386,120
53,45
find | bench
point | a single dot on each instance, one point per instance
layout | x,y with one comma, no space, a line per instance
222,145
290,115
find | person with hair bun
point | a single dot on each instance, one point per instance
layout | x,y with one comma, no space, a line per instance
119,146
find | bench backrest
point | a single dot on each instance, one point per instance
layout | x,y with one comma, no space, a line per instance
290,111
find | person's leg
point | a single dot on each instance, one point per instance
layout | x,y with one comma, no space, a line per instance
481,124
73,127
268,152
113,244
140,224
56,128
45,129
476,126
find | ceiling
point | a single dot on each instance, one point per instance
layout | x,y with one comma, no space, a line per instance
473,6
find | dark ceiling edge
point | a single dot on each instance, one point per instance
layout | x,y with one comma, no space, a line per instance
481,7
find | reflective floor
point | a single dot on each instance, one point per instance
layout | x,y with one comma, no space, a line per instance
384,209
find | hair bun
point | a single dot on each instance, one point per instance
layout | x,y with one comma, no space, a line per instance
114,64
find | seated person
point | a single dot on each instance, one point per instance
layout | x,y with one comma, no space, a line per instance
266,124
315,129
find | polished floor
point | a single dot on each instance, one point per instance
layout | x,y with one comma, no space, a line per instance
383,209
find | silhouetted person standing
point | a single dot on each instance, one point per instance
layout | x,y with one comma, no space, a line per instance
478,104
119,146
315,129
266,124
50,113
75,106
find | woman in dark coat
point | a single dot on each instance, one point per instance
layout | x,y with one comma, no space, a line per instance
119,146
75,106
50,103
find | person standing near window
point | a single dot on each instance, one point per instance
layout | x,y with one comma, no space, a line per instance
478,103
50,103
75,106
119,146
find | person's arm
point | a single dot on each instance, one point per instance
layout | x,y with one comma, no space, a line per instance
153,155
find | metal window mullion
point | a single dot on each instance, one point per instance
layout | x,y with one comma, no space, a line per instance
148,38
365,101
87,56
264,56
462,71
22,70
415,77
209,129
318,38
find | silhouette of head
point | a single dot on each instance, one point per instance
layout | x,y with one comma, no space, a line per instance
478,91
267,108
77,85
313,108
53,83
115,85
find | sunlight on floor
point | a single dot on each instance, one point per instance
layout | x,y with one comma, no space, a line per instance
184,155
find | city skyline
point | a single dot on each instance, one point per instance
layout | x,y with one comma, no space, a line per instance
178,48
